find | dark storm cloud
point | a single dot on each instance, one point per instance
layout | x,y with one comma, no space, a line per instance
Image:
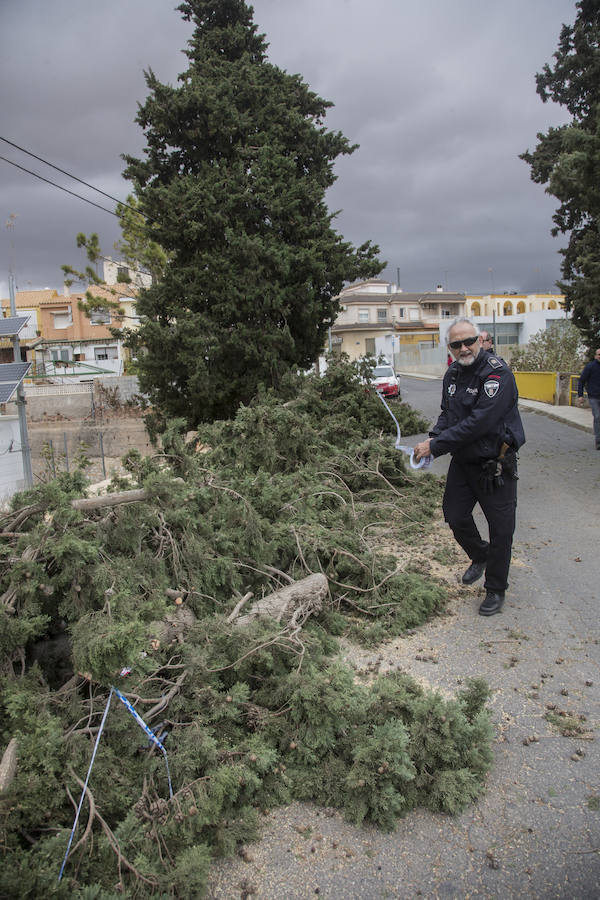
440,96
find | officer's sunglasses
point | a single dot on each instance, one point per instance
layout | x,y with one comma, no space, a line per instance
468,342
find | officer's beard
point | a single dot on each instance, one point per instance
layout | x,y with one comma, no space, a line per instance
466,360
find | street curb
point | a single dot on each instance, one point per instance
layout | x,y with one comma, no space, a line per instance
556,417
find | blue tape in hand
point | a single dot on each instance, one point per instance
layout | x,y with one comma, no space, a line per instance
425,461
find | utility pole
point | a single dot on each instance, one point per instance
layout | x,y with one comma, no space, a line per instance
25,448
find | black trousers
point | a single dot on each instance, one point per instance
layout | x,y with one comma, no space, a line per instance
463,491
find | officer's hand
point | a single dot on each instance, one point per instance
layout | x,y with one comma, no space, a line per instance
422,450
579,401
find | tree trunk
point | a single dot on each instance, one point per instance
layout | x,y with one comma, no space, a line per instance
290,605
110,499
8,766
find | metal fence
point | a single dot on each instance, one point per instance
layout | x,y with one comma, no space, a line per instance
56,452
50,390
573,389
542,386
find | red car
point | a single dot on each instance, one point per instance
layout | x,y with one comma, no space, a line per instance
386,381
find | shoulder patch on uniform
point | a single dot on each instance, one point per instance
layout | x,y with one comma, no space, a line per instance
491,388
494,363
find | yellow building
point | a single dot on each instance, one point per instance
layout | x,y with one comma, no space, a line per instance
511,304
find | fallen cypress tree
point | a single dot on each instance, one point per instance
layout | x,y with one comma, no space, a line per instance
160,594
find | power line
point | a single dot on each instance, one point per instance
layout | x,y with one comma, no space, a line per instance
59,186
66,190
68,174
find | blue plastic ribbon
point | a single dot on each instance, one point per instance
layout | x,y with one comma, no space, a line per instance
148,731
87,778
150,734
425,461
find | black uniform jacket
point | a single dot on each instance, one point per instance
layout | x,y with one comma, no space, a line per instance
479,411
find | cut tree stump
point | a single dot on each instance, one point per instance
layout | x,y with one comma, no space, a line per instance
291,605
104,500
110,499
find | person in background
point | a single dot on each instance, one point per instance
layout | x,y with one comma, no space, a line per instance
487,341
480,426
590,381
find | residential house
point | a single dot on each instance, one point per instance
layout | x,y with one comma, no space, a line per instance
63,341
409,328
65,335
376,316
118,272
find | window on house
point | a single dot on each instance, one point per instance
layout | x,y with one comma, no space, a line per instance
382,315
401,312
370,347
63,319
445,313
413,315
123,274
363,315
100,316
105,353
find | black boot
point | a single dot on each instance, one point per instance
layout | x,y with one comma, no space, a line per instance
492,603
474,572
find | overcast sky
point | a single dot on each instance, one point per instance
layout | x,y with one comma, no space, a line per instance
440,95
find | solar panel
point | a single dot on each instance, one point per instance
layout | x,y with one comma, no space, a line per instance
11,376
7,390
11,326
15,371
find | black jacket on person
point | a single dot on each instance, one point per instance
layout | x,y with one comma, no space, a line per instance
479,411
590,377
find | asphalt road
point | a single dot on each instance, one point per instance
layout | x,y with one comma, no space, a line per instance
536,831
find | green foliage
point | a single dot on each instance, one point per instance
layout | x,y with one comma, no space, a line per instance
234,184
144,256
381,770
567,159
251,716
556,348
189,874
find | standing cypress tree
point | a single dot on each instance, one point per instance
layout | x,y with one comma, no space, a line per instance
237,165
567,159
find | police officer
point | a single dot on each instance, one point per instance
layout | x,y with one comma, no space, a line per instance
480,426
487,342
